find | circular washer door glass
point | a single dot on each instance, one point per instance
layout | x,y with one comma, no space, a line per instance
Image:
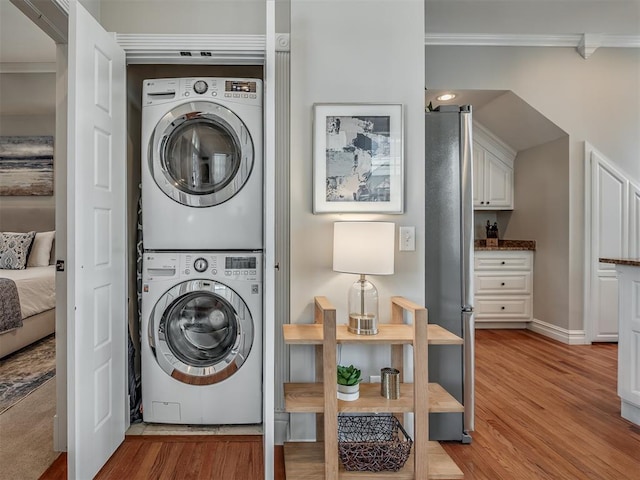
201,154
201,332
200,329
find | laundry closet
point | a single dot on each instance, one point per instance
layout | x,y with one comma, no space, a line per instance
196,264
98,131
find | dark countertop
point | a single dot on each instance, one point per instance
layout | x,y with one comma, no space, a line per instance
634,262
506,245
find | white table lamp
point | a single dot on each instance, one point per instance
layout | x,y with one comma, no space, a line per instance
364,248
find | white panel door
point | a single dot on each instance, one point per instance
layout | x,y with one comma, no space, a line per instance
96,235
609,239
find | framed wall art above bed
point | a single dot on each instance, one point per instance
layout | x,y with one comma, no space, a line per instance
26,165
358,163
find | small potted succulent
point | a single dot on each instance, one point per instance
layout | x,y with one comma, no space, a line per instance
348,383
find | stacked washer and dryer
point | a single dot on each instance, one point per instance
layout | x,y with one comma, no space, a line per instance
202,217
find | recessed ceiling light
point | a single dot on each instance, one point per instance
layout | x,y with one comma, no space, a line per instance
446,96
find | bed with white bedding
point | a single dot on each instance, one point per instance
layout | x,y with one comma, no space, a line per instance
28,274
36,291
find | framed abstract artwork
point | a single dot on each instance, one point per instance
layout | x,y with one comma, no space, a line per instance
358,163
26,165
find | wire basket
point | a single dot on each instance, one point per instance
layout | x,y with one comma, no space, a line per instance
372,443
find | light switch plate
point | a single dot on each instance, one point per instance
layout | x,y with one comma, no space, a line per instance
408,239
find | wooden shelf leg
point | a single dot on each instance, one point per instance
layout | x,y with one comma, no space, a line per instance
421,393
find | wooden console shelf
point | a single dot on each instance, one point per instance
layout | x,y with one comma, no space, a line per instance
309,398
319,461
389,334
305,460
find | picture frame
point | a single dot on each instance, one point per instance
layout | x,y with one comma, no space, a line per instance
26,165
358,161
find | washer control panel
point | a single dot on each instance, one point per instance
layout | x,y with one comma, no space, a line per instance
245,89
242,266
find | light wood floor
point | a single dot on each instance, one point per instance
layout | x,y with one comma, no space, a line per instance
544,411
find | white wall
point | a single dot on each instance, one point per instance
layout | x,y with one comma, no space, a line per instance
594,99
27,107
541,179
352,51
533,16
569,91
27,94
184,16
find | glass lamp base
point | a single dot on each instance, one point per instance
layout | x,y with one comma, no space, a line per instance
360,324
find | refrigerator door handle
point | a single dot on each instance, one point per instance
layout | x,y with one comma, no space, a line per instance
469,371
466,204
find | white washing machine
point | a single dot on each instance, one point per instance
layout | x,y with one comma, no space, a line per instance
201,337
202,164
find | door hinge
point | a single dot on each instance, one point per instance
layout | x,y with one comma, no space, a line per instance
59,265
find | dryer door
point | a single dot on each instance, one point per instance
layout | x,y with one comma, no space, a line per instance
201,154
201,332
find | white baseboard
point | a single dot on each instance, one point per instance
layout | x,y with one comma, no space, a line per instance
570,337
630,412
59,442
500,325
281,427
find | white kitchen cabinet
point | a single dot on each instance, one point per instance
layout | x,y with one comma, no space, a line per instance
492,171
503,288
629,340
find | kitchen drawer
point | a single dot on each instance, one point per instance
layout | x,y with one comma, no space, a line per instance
503,260
500,308
490,283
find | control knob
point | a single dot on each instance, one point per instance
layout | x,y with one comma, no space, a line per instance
200,87
200,265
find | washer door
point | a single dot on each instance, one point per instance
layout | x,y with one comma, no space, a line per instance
201,154
201,332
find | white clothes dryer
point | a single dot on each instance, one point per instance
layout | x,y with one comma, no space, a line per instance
202,164
201,337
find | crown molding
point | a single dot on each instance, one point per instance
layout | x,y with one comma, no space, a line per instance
501,40
585,43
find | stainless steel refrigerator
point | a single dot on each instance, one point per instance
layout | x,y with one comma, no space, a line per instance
449,261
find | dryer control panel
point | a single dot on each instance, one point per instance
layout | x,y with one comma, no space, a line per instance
246,91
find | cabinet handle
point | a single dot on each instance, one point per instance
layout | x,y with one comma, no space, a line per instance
487,203
502,284
501,308
481,203
503,263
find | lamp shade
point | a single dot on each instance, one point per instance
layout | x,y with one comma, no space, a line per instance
364,247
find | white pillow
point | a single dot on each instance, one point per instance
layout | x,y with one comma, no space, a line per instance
41,249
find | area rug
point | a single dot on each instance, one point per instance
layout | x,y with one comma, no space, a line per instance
22,372
26,435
